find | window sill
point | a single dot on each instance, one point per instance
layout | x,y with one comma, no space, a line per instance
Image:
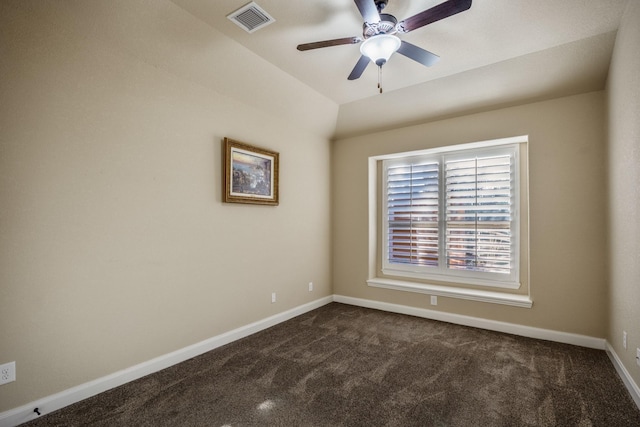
498,281
454,292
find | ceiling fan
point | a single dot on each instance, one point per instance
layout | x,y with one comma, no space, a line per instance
379,34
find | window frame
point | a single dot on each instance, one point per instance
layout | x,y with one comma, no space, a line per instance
510,146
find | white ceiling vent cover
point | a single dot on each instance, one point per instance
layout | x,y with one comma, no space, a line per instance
251,17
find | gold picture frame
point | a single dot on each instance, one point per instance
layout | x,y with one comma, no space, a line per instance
250,174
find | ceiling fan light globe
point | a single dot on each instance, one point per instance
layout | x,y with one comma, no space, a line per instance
380,48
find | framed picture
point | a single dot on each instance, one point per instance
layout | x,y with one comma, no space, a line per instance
250,174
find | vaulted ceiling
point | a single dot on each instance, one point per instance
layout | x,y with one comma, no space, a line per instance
499,52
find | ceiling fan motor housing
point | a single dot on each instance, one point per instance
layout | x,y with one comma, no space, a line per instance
387,25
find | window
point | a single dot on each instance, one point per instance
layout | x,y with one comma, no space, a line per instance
452,214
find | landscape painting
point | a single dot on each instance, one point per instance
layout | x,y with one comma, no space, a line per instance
251,174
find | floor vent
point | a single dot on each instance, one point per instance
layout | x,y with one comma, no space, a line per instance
251,17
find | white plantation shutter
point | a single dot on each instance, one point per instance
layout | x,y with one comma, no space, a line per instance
452,216
478,214
412,214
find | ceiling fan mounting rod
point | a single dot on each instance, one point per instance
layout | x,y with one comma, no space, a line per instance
381,4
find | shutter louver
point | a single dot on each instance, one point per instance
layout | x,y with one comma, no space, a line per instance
479,214
412,209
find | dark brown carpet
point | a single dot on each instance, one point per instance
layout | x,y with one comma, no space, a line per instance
348,366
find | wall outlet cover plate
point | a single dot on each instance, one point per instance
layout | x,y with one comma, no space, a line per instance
7,373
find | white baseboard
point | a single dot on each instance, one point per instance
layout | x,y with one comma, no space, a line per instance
631,385
57,401
476,322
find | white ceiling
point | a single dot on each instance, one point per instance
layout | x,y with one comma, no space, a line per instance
496,53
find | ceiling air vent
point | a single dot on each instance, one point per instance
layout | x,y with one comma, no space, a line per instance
251,17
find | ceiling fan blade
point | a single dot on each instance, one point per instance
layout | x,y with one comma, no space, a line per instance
328,43
368,10
436,13
418,54
359,68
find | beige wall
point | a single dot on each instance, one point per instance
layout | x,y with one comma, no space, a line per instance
567,210
115,247
624,190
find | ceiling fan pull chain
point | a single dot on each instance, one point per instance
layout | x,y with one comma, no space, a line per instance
380,79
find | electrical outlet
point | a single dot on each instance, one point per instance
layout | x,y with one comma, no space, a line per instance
624,339
273,297
434,300
7,373
310,286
